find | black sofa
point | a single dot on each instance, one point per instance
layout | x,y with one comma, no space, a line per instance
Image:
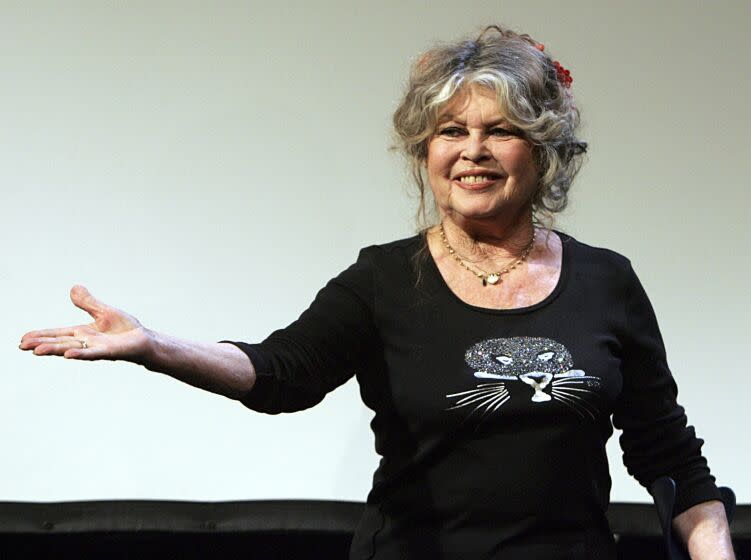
261,530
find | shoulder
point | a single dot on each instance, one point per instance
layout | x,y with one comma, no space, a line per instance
394,264
404,246
597,264
375,259
585,258
393,252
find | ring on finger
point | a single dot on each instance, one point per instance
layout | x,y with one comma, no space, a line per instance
84,346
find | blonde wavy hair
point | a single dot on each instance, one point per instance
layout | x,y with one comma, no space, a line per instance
524,78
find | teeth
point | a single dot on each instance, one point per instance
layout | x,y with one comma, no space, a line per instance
475,178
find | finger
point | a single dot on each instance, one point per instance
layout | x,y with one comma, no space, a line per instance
53,333
98,353
82,298
57,347
31,343
52,349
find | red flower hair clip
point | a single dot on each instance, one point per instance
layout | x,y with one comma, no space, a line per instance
563,75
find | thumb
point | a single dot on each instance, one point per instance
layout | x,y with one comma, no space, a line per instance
82,298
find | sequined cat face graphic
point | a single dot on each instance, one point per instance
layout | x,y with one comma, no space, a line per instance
543,364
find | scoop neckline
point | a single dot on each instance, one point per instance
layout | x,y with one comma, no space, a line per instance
562,279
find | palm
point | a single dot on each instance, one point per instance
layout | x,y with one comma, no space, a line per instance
112,335
112,322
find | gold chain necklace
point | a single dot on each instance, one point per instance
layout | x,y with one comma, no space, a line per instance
488,277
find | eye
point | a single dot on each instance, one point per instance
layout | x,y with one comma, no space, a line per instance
500,132
505,360
451,131
545,356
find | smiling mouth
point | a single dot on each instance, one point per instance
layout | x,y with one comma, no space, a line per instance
476,181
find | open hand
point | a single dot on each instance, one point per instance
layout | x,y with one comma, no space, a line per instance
114,335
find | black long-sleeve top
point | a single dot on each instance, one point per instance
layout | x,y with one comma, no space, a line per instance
491,424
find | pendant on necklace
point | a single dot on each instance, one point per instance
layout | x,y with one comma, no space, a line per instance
492,278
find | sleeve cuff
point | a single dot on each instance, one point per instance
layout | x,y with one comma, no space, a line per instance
260,363
686,499
267,395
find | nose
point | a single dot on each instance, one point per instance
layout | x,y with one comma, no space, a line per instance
536,376
475,148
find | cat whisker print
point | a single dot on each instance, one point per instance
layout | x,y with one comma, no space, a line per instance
490,396
544,365
566,386
478,386
574,402
479,396
587,380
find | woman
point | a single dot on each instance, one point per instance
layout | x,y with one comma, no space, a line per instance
492,348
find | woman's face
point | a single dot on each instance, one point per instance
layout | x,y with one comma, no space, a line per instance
477,166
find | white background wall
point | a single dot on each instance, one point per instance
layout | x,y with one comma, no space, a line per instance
207,166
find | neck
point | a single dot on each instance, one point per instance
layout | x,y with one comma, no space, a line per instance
489,239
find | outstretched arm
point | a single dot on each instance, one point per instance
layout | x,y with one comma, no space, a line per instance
217,367
704,529
115,335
